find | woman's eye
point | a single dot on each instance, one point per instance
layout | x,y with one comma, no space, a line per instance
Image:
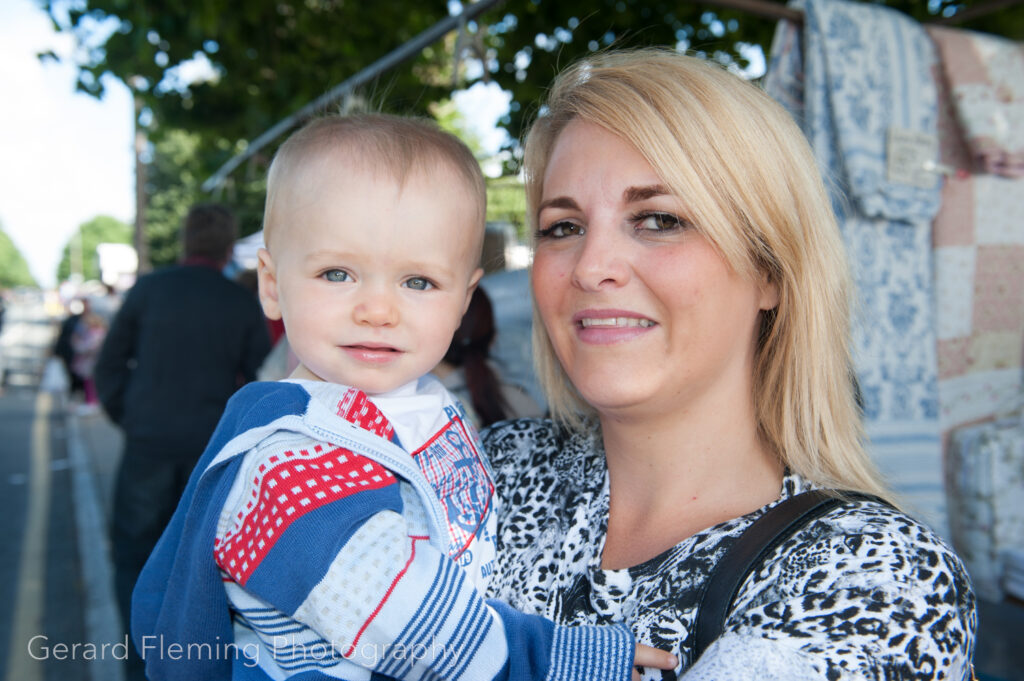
660,222
560,230
419,283
336,275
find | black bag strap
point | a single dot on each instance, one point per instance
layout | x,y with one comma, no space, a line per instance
756,542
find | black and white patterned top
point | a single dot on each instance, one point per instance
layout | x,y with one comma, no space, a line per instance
864,592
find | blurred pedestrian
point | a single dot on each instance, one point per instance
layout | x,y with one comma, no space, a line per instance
107,304
63,349
183,341
469,373
86,340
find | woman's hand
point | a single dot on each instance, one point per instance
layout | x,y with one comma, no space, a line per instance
647,656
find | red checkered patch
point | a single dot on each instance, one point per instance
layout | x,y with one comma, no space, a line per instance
357,408
287,486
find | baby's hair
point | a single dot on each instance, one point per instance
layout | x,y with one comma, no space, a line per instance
387,144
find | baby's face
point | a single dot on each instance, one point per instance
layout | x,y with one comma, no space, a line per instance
371,278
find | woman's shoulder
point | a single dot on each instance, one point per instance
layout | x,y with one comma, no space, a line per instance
866,550
876,529
864,587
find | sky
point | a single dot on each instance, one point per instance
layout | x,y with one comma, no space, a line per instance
66,157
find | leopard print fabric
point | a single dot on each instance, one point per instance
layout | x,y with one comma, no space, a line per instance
864,592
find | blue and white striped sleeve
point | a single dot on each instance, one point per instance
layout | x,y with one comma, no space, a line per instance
392,604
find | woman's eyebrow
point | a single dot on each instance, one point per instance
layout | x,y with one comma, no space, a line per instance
558,202
634,194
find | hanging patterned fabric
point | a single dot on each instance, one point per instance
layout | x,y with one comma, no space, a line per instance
979,270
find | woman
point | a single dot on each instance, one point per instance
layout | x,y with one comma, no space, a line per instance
691,333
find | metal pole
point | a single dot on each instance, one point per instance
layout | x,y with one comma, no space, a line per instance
139,237
77,261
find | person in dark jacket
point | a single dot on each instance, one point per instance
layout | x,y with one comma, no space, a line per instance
184,340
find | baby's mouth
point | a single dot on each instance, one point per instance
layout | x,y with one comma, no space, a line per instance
372,353
372,347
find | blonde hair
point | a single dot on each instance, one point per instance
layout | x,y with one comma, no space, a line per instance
395,146
755,193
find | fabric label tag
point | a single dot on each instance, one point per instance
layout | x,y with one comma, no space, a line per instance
911,158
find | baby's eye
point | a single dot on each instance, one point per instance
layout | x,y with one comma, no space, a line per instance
419,283
560,230
660,222
336,275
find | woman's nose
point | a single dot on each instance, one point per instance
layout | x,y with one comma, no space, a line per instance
376,308
602,259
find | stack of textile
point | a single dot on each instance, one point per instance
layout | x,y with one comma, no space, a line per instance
1013,577
986,505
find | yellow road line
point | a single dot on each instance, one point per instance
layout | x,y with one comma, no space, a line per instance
28,609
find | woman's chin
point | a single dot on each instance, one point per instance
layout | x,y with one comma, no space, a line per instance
617,401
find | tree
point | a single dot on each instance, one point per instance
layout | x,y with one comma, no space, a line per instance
506,202
255,62
13,268
251,65
265,59
226,72
531,40
79,255
173,185
173,177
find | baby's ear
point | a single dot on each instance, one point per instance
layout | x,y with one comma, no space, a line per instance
267,278
474,281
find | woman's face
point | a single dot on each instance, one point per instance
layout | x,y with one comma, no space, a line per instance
644,315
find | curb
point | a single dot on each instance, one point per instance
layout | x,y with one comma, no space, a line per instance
102,620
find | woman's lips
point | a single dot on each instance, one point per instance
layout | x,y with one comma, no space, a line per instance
604,327
588,322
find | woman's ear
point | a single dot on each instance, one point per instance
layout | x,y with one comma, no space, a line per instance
267,278
769,293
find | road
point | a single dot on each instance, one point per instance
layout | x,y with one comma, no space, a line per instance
39,571
39,563
47,575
